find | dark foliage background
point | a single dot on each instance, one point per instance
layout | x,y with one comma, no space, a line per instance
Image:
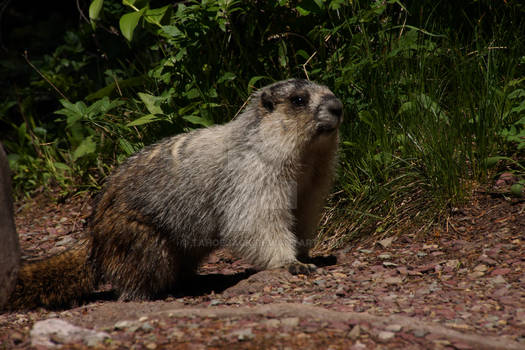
433,90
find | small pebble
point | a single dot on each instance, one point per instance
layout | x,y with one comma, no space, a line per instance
393,328
385,336
355,332
290,321
419,333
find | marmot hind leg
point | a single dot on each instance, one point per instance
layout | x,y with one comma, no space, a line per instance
139,263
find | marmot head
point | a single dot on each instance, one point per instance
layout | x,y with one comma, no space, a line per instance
302,104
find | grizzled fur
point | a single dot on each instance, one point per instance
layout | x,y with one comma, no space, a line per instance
255,185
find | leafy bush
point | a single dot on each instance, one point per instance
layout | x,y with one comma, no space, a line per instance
431,95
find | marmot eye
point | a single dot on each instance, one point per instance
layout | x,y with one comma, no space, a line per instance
298,101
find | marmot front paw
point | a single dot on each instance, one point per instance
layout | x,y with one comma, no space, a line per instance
297,268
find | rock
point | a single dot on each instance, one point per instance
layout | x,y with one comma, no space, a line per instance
499,272
476,274
394,328
355,332
358,263
54,332
340,291
256,282
454,263
387,242
147,327
393,280
271,323
505,179
498,280
419,333
10,248
320,282
358,346
385,336
177,334
481,268
243,334
290,321
65,241
339,275
123,324
485,259
389,264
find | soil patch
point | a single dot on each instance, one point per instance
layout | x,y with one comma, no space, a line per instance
463,287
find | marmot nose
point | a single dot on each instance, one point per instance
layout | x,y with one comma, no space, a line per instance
335,107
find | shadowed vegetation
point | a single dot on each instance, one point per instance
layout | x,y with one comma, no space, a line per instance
434,92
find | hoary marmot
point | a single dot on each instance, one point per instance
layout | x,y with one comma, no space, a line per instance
255,185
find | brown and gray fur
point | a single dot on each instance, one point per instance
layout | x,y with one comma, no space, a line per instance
255,185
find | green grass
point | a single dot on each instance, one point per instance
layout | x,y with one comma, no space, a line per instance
419,134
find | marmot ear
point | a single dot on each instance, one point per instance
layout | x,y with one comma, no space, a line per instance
266,100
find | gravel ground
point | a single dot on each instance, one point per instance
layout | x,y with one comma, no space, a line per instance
462,287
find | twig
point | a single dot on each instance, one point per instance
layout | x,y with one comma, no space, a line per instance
313,55
118,87
488,48
82,13
305,63
403,26
242,107
43,76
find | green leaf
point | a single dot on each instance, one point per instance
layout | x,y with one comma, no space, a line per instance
305,7
254,80
366,117
94,10
172,31
516,94
126,146
303,54
146,119
156,16
192,94
195,119
409,106
129,21
22,133
61,166
228,76
491,161
40,131
517,189
152,102
13,159
135,3
283,58
87,146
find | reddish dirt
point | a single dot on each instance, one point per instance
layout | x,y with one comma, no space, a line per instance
463,287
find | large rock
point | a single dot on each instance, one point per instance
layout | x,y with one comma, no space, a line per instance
53,333
9,247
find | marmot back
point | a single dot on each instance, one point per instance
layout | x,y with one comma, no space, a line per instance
255,185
